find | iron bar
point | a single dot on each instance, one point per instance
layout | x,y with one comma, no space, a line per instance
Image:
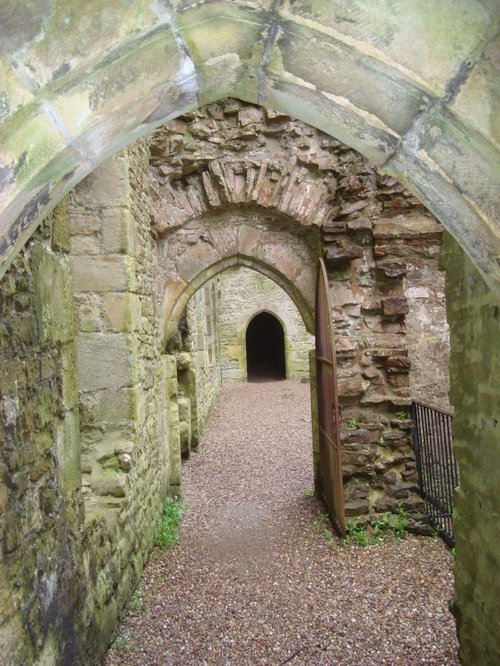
436,465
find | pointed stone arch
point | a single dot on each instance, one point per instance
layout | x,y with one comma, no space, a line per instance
274,348
203,249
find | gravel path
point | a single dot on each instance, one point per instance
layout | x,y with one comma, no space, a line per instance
254,582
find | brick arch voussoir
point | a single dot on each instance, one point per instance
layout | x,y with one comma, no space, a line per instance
296,195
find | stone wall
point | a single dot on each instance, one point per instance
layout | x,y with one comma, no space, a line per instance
428,334
244,293
118,358
366,286
41,510
415,98
474,317
202,316
87,459
94,372
193,352
225,175
73,547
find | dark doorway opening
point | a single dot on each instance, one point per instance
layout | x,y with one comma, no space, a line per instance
265,346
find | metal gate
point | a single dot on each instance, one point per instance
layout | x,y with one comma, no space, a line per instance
436,465
328,406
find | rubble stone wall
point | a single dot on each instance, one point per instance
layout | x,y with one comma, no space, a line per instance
231,172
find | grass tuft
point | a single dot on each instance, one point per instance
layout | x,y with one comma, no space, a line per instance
169,524
322,526
124,642
137,598
395,524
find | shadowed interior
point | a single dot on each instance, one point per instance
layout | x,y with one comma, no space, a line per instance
265,345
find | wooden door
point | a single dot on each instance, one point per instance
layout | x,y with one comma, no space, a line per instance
328,406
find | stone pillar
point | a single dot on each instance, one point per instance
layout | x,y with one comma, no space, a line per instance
428,335
474,319
109,321
172,400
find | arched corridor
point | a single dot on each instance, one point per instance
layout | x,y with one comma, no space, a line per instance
254,579
265,348
93,289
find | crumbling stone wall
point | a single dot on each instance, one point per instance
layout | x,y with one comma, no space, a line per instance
202,314
230,162
244,293
194,355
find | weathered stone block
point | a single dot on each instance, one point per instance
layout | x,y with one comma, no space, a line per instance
351,386
52,284
89,317
334,227
392,268
105,361
395,305
384,504
122,312
362,436
102,273
346,346
118,232
68,452
83,223
356,491
112,483
106,186
397,364
87,245
359,224
357,507
337,256
406,228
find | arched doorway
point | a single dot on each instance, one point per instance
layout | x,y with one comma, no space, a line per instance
265,348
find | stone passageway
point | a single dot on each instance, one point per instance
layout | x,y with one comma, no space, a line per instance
255,582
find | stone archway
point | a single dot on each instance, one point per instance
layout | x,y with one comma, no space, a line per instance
203,248
421,106
412,109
